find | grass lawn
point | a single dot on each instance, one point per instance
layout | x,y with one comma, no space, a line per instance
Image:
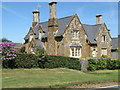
58,78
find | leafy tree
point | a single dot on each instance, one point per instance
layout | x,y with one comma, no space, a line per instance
5,40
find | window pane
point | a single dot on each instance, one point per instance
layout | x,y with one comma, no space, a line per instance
75,51
72,51
78,51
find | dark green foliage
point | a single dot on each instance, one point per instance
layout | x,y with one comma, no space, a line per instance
22,50
26,61
8,63
92,63
43,61
100,64
51,61
5,40
113,64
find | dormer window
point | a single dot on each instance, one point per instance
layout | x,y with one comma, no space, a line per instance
31,36
104,38
40,34
75,34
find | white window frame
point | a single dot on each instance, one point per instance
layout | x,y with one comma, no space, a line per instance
103,51
31,37
75,52
75,34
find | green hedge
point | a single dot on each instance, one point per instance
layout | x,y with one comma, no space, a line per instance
51,61
8,63
100,64
26,61
48,61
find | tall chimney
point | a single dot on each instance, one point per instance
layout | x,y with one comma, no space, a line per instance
35,17
98,19
52,28
53,18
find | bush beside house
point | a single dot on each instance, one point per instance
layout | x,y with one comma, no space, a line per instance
102,64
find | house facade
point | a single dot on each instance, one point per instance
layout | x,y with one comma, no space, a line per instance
115,51
67,36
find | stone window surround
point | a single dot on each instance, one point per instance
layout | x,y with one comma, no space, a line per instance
75,34
103,51
103,38
75,51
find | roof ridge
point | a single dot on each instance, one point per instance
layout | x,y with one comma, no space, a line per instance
58,19
92,25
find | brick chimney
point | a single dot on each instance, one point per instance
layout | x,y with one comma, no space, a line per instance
35,17
98,19
52,28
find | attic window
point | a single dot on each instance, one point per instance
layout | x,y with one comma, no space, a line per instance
75,34
104,38
31,36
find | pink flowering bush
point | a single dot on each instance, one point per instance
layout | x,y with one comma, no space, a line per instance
8,53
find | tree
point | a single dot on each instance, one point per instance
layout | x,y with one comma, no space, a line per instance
5,40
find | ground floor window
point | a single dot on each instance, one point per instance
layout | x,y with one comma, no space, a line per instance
94,52
75,51
103,51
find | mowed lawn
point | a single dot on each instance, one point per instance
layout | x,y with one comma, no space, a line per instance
58,78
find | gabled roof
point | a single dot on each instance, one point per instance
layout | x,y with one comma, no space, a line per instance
114,43
91,31
62,24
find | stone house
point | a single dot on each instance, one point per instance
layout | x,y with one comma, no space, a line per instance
115,51
67,36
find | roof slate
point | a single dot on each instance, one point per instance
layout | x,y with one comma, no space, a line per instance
114,43
62,24
91,31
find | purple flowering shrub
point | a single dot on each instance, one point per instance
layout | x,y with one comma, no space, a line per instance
8,53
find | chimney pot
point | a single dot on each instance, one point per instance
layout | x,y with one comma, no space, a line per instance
98,19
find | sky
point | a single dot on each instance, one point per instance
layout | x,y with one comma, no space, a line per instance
17,17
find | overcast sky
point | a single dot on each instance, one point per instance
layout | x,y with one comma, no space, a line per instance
17,17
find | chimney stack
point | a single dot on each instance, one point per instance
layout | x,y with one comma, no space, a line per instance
98,19
53,18
52,28
35,17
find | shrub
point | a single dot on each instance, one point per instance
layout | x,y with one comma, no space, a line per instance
113,64
22,49
51,61
8,54
26,61
104,56
92,64
100,64
38,50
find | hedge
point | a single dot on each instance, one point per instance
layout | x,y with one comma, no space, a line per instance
26,61
48,61
51,61
100,64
